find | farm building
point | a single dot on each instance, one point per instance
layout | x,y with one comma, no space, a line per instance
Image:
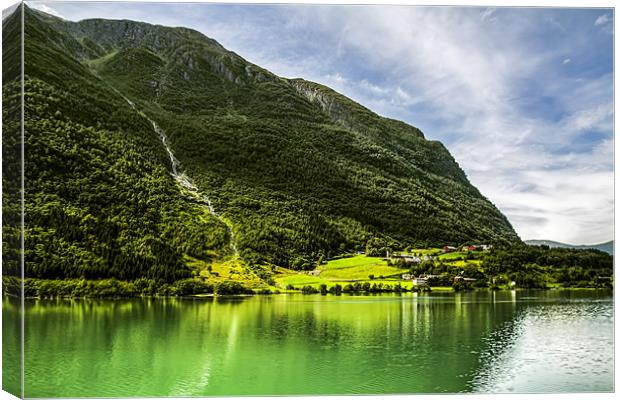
420,281
406,258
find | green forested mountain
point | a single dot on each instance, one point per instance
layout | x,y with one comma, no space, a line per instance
293,171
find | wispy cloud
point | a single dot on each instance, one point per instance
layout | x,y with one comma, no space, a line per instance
605,23
602,20
45,8
487,14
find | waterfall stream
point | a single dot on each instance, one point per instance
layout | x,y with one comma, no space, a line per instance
182,179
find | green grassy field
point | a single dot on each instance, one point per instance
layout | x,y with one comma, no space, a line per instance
358,268
233,269
426,252
460,263
452,256
343,271
299,280
355,261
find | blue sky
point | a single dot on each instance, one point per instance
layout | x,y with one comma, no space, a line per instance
522,97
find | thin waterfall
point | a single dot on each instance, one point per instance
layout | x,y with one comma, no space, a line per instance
182,179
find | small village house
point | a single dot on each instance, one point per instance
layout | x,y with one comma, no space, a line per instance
420,281
406,258
466,280
449,249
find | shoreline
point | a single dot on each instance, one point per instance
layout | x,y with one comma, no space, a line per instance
439,289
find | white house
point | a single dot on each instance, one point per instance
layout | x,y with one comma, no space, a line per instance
420,281
406,258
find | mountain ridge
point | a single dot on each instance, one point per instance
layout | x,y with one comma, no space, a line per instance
607,247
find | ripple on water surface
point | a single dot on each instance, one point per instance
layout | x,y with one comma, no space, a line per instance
561,347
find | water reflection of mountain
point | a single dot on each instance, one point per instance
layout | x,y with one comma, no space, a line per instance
275,344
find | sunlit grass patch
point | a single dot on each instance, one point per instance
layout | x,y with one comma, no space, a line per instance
299,280
426,252
452,256
358,268
363,272
461,263
230,270
356,261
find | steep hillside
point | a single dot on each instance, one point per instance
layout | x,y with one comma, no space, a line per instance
11,147
148,146
100,201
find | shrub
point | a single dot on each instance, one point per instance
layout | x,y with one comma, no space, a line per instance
309,290
323,289
187,287
336,289
230,288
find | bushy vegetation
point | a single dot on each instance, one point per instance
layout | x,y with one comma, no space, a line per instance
11,145
104,288
231,287
530,267
537,266
352,288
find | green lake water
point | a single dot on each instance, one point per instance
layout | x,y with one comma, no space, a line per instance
503,342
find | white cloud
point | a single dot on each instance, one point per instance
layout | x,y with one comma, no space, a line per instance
552,208
44,8
597,118
337,78
487,13
9,10
602,20
566,61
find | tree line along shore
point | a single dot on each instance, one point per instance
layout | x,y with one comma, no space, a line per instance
409,270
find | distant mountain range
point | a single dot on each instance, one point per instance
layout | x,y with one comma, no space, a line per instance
607,247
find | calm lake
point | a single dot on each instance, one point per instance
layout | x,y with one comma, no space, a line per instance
502,342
